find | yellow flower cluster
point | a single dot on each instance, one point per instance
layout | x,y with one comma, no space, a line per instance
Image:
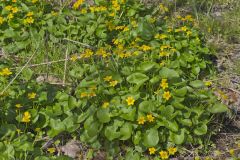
18,106
167,95
97,9
26,117
1,20
102,52
85,94
5,72
77,4
149,117
166,50
164,84
32,95
51,150
208,83
105,105
160,36
74,57
130,101
163,8
163,154
112,83
187,18
116,6
87,54
29,19
145,48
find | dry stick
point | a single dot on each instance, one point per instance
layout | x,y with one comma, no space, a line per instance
65,67
18,73
47,63
83,44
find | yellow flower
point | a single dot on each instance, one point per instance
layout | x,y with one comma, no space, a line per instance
163,155
125,29
8,8
130,101
184,28
208,83
164,84
18,106
172,150
151,150
74,57
231,152
15,10
37,129
28,20
51,150
189,33
150,118
145,48
134,24
105,104
92,94
87,54
167,95
83,11
34,1
111,14
1,20
29,14
162,63
77,4
5,72
14,1
31,95
26,117
107,78
113,83
84,94
10,16
141,120
189,18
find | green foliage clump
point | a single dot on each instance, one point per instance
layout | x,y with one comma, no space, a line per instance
137,81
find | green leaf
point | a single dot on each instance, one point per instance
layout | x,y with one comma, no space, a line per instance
173,126
137,78
177,138
128,114
91,126
197,84
218,108
145,30
7,130
103,115
146,106
168,73
146,66
151,138
57,126
126,131
111,131
155,79
180,92
137,137
201,130
186,122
